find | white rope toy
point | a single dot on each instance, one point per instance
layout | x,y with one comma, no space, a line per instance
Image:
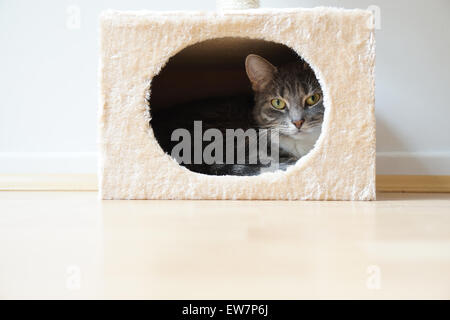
237,4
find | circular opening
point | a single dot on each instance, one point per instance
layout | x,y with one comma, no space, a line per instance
236,106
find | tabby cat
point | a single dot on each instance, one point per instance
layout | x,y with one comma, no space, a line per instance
286,99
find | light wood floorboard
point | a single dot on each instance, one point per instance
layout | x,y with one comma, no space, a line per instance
71,245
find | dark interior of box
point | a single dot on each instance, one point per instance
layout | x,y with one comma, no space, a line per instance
213,68
207,70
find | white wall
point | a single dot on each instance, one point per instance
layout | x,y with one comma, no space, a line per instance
48,82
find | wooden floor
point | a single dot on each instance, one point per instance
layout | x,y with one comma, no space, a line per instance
70,245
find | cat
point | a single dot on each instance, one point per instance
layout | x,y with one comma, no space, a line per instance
290,99
287,99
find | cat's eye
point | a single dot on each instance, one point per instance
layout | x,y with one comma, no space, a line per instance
313,99
279,104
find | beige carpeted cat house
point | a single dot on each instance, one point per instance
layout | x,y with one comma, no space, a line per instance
135,48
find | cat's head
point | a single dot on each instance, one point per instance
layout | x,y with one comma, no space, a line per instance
288,98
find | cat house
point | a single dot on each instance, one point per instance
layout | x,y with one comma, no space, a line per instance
135,75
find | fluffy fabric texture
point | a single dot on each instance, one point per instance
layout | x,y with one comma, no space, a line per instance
339,45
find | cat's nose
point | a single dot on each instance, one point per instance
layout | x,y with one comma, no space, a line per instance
298,123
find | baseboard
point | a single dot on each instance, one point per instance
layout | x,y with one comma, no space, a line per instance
48,182
388,163
413,163
66,171
88,182
48,162
413,184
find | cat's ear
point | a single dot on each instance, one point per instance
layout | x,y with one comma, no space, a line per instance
259,71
